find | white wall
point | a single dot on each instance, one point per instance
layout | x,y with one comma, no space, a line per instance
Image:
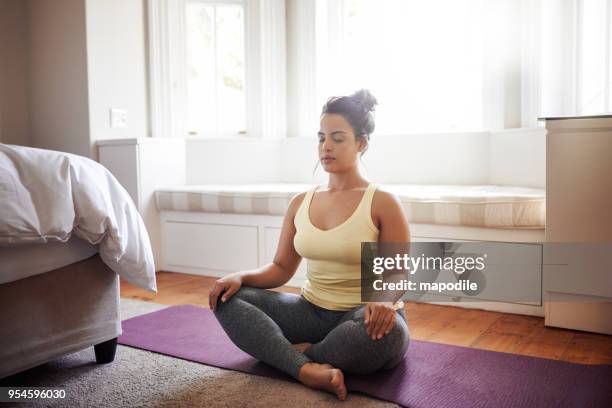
142,166
437,158
59,118
518,157
13,73
232,160
298,159
85,57
432,159
511,157
116,67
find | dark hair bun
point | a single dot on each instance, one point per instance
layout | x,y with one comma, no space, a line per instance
357,109
364,99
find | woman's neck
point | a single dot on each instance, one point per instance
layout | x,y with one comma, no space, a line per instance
346,181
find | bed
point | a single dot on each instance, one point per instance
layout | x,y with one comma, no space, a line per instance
67,231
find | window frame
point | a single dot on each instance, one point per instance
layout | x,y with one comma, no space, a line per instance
578,10
265,68
193,133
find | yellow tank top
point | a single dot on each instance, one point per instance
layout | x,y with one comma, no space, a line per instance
333,279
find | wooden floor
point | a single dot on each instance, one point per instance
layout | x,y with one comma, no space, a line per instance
480,329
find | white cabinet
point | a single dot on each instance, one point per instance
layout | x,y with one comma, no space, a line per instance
578,250
220,247
512,281
214,244
143,165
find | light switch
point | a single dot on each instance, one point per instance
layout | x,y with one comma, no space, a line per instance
118,118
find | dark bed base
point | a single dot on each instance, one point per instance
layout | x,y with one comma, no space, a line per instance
105,352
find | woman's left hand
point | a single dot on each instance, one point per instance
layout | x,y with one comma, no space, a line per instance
379,319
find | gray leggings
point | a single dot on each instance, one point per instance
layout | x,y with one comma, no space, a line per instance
265,324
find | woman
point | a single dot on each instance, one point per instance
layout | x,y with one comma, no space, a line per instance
327,330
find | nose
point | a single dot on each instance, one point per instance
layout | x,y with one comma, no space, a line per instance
327,144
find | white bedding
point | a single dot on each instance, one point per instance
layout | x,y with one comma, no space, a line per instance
46,196
23,261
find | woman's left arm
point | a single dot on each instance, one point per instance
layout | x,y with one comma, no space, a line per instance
392,223
388,215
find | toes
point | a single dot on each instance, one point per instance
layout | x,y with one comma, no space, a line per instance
337,377
338,384
341,392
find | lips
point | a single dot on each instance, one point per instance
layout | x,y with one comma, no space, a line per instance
327,159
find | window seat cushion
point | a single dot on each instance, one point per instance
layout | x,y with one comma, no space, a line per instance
489,206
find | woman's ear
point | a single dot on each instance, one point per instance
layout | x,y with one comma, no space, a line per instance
363,146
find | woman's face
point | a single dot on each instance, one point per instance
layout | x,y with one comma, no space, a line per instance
338,148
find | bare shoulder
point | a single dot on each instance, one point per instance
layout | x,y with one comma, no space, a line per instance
384,201
295,203
388,215
386,206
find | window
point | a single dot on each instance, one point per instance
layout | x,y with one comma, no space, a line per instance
435,66
576,57
424,66
216,101
217,68
593,57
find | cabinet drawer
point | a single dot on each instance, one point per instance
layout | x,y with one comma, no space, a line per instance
512,272
578,268
210,246
579,312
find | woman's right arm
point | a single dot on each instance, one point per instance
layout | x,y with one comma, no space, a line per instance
272,275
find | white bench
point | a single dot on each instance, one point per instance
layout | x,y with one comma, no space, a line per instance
217,229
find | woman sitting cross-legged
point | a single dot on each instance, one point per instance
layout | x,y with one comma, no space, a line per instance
327,330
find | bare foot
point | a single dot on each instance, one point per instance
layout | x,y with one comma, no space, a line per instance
324,377
301,347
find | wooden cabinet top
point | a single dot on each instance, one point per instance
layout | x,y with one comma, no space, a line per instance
602,116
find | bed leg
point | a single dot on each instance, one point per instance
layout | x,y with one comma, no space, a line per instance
105,352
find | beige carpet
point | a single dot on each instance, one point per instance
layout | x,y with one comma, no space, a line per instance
140,378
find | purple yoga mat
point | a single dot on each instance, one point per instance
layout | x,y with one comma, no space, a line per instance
431,375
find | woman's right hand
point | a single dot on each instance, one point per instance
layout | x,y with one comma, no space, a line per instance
227,286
